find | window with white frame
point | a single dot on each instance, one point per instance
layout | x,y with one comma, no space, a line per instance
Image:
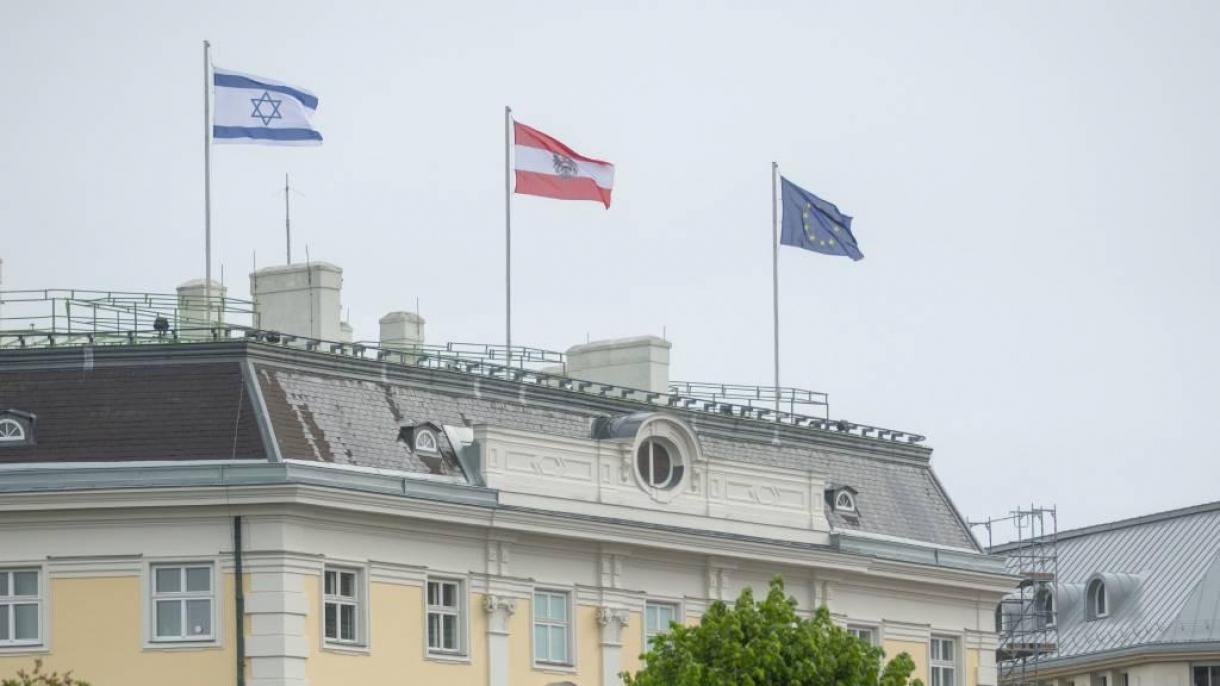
1206,675
552,628
865,633
1098,601
944,661
341,605
182,602
20,607
1101,680
445,611
657,618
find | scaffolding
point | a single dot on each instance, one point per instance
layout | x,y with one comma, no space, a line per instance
1025,619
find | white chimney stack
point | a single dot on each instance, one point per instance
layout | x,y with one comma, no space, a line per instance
401,330
298,300
194,315
641,362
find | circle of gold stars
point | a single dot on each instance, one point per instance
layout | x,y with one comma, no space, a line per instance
805,222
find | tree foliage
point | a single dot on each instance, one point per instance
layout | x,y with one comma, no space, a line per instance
41,678
766,644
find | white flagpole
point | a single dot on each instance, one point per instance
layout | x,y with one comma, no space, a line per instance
775,276
287,222
207,176
508,236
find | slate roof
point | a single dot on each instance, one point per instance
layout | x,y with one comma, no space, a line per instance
225,400
337,418
187,411
1163,571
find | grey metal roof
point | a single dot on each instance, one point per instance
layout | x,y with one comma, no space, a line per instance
1162,573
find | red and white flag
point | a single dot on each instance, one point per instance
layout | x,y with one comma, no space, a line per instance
551,169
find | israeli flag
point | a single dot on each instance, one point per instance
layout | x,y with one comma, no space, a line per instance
252,109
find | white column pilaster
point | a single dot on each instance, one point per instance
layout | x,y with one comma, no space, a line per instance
499,611
277,607
612,622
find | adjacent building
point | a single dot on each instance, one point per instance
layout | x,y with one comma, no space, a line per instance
190,500
1132,603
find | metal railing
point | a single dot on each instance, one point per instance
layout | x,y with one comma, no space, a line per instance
52,318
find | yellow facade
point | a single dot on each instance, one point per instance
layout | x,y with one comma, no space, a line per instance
96,630
918,653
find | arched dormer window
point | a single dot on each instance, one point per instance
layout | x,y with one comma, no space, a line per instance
1044,607
11,431
1097,600
845,501
425,441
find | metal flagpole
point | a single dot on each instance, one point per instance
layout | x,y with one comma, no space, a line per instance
207,177
287,223
775,276
508,236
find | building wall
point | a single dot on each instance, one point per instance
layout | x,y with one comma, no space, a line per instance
1151,674
96,630
98,567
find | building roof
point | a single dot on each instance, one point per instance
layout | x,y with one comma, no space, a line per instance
1162,574
274,402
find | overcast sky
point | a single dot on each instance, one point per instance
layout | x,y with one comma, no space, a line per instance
1034,186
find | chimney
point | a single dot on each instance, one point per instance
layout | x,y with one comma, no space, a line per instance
194,315
401,330
641,362
298,300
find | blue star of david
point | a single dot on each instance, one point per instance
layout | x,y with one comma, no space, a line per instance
258,108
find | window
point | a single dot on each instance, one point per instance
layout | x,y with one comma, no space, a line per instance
657,618
1098,602
551,635
445,609
1124,679
944,662
1207,676
20,607
425,441
11,431
864,633
657,467
1101,680
1044,607
341,598
844,501
182,602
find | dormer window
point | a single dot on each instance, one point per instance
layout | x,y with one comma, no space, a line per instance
845,501
658,467
425,441
1044,607
16,428
1098,601
11,431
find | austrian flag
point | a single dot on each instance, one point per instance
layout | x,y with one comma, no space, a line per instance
551,169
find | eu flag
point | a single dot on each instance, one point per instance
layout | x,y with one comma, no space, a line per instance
814,224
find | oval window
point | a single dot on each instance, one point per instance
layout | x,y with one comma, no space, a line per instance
656,465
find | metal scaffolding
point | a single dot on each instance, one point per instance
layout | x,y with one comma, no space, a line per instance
1025,620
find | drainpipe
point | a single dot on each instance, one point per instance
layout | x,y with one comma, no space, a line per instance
239,597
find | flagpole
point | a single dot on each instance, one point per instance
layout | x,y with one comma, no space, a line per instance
775,276
508,237
287,222
207,178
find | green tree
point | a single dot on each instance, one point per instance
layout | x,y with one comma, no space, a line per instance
766,644
41,678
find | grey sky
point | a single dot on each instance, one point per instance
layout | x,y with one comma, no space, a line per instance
1034,187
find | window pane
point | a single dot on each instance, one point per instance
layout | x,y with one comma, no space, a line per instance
935,651
330,583
559,644
559,607
169,618
434,593
434,630
449,632
541,648
347,622
946,651
541,606
169,579
25,624
450,594
347,585
198,579
4,626
332,626
198,618
25,583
